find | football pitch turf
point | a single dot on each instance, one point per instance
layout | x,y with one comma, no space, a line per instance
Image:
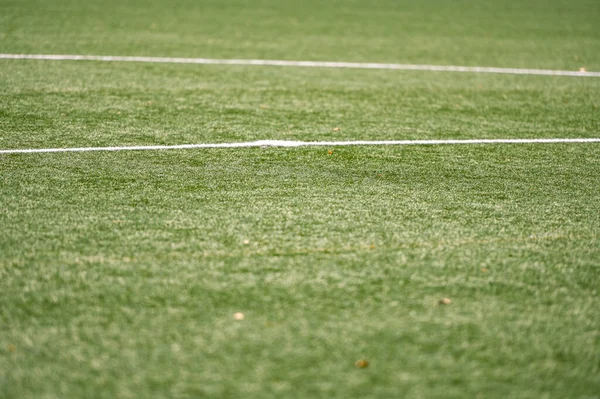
121,272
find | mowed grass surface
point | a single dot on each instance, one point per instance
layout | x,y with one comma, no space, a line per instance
79,104
510,33
120,273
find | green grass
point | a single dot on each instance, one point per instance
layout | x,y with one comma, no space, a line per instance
120,272
510,33
47,104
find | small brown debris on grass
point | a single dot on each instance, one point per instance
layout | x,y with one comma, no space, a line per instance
330,152
238,316
12,348
361,363
372,246
484,270
336,129
445,301
264,106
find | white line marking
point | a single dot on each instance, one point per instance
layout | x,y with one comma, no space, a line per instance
317,64
286,143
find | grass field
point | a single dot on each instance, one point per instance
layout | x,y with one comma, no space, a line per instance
120,273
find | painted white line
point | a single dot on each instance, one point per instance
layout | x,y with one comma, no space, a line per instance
316,64
286,143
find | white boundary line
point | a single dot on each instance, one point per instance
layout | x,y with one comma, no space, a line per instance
285,143
317,64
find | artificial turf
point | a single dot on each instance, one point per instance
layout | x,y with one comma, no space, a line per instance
120,273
